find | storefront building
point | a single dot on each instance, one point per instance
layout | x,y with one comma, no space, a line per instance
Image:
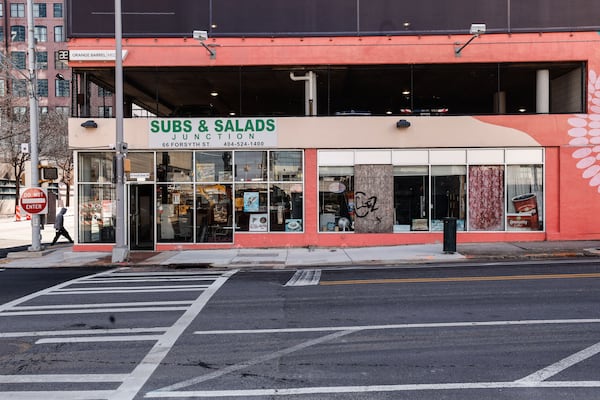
510,149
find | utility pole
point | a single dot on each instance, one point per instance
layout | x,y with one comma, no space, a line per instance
120,251
33,125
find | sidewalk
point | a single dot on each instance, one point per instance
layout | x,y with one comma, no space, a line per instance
61,255
16,236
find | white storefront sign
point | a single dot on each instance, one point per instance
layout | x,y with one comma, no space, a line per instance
190,133
94,55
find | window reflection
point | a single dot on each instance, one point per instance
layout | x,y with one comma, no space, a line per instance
336,199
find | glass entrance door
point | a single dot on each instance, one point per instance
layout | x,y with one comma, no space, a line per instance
141,217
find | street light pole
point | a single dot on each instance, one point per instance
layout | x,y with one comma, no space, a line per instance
33,125
120,251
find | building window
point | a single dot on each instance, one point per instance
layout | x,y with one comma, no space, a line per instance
104,92
58,10
1,34
96,198
59,63
214,211
41,58
105,111
41,33
1,10
486,198
59,34
19,87
39,10
62,88
525,193
62,110
42,87
336,199
18,59
17,33
19,111
43,110
2,87
17,10
449,196
411,198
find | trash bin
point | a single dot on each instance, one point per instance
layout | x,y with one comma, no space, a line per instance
449,234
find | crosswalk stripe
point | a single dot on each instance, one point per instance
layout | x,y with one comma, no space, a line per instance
305,277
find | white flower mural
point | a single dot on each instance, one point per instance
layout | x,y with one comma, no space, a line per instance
585,134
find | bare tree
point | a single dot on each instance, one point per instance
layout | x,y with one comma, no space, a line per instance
14,130
54,147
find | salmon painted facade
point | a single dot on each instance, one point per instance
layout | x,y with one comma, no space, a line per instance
346,179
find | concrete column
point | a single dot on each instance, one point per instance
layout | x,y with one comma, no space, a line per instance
500,102
542,93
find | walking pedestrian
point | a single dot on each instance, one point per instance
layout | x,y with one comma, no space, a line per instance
59,226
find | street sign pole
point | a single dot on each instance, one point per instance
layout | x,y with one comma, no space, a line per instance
36,236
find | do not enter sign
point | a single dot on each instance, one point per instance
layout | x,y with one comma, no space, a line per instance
35,201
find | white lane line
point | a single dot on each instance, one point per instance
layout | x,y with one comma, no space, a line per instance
55,378
91,311
403,326
370,389
305,277
103,305
258,360
58,395
72,332
9,305
561,365
136,380
98,339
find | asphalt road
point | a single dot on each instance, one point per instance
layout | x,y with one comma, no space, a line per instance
520,331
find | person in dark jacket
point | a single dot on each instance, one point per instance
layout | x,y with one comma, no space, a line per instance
59,226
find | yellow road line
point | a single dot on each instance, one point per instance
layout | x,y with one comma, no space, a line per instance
461,279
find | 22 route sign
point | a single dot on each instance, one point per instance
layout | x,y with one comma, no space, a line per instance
34,201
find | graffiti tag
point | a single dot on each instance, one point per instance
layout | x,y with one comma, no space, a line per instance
364,204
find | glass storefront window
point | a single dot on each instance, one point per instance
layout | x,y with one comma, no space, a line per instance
97,213
250,166
285,208
285,166
486,198
449,195
251,213
95,167
214,213
213,166
141,167
174,166
336,199
174,212
411,198
525,194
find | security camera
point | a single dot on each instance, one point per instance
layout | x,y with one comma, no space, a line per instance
477,29
200,35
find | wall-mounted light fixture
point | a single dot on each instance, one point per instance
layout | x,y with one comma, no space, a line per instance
476,30
89,124
202,36
401,124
